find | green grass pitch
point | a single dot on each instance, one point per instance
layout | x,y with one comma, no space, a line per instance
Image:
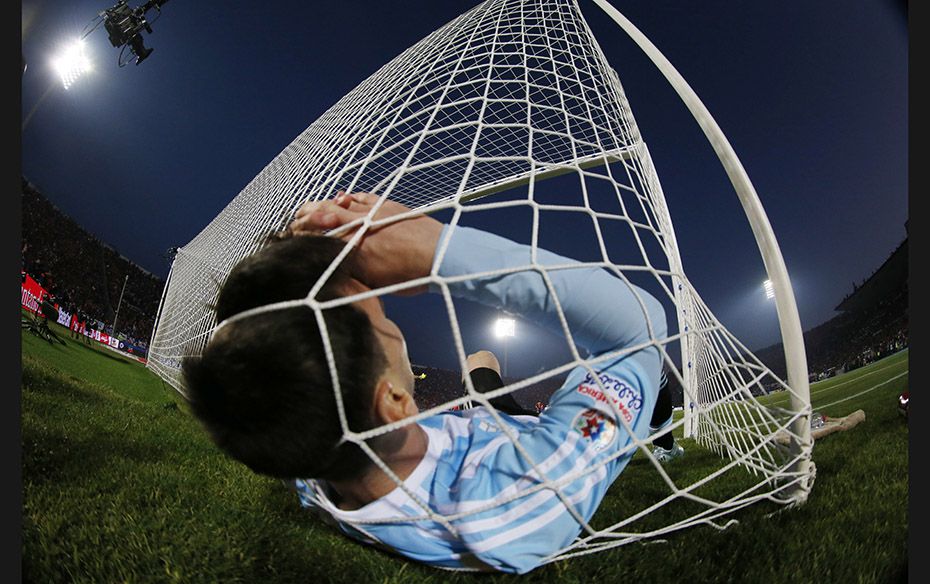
120,484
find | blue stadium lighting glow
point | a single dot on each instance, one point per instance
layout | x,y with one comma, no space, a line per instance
769,289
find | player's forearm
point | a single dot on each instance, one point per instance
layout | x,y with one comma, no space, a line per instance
603,312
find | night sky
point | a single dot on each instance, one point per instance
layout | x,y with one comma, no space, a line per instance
811,95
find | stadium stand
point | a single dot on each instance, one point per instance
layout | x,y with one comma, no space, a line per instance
435,386
84,274
438,386
873,323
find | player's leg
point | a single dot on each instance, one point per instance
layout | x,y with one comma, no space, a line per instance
485,372
664,447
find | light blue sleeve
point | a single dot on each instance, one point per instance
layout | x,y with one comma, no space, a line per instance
604,313
587,418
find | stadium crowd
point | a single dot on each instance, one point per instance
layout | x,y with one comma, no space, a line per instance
872,323
861,335
436,386
84,275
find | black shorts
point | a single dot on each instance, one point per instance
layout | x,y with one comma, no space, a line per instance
486,379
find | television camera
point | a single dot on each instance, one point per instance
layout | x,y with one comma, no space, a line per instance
124,26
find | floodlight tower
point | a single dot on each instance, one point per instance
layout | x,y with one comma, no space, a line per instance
504,328
769,289
70,64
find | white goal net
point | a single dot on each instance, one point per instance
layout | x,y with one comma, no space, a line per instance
513,108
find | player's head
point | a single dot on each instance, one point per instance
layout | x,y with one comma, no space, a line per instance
262,386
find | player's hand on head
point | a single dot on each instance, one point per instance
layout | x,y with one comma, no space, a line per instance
317,217
387,254
342,210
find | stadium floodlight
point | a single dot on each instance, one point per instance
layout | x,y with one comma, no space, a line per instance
505,327
769,289
72,63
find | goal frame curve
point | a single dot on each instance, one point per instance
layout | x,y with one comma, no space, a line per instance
789,321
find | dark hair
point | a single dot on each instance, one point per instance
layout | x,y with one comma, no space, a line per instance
262,386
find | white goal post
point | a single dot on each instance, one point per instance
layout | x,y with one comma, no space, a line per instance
788,319
484,116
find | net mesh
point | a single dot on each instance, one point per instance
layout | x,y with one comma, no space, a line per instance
475,119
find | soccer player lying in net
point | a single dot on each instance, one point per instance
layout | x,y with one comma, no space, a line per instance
498,497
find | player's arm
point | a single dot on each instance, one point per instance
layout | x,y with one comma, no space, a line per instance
605,314
406,250
583,439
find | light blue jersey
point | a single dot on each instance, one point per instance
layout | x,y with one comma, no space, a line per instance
511,504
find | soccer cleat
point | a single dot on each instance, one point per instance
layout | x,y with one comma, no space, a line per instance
663,455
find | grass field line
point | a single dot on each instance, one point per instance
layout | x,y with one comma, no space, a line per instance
156,497
852,379
865,391
855,378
